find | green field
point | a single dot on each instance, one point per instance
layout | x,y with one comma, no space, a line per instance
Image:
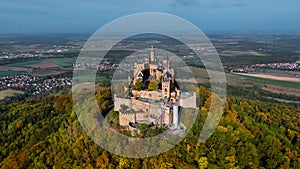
9,93
11,73
64,62
25,64
273,82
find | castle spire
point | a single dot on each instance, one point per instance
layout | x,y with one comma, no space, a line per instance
152,55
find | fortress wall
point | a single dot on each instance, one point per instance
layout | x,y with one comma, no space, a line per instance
124,119
154,95
168,116
142,117
139,105
135,92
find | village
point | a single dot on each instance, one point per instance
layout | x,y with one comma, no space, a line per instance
294,66
33,84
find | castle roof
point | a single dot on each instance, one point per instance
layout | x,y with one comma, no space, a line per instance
160,68
167,76
140,74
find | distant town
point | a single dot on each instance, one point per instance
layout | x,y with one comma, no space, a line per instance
277,66
32,83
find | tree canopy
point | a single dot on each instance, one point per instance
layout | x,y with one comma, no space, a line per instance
45,133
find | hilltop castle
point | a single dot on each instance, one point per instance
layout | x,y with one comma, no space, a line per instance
155,95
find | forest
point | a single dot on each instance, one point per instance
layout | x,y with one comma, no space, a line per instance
45,133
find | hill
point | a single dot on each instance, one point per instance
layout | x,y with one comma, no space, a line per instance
45,133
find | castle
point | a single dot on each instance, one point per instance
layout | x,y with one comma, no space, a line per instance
155,97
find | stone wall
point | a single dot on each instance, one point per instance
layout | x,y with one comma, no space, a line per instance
154,95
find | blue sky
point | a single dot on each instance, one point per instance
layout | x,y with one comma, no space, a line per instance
211,16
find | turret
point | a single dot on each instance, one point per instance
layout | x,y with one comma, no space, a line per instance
152,55
166,62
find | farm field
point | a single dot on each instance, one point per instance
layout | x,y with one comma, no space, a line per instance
9,93
64,62
280,81
281,90
47,63
26,63
38,67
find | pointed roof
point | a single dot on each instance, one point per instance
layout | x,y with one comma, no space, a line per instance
140,74
167,76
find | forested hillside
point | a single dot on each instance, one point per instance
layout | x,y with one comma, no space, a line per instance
45,133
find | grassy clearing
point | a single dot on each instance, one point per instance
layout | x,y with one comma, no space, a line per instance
64,62
25,64
9,93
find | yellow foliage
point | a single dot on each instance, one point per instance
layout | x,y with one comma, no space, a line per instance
203,162
222,129
203,109
19,123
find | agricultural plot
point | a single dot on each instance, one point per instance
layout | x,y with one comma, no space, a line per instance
294,85
9,93
25,64
64,62
45,64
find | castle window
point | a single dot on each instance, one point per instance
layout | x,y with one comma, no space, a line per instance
166,90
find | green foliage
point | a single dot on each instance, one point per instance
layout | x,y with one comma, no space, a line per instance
45,133
138,84
202,162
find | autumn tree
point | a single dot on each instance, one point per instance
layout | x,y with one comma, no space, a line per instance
202,162
152,85
102,161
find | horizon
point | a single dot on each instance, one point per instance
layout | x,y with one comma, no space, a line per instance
86,35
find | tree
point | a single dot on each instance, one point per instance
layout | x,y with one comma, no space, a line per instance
202,162
152,85
103,161
124,163
138,85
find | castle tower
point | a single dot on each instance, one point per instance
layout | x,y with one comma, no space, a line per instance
166,62
166,85
152,55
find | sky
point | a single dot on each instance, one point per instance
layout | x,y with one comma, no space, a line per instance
87,16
